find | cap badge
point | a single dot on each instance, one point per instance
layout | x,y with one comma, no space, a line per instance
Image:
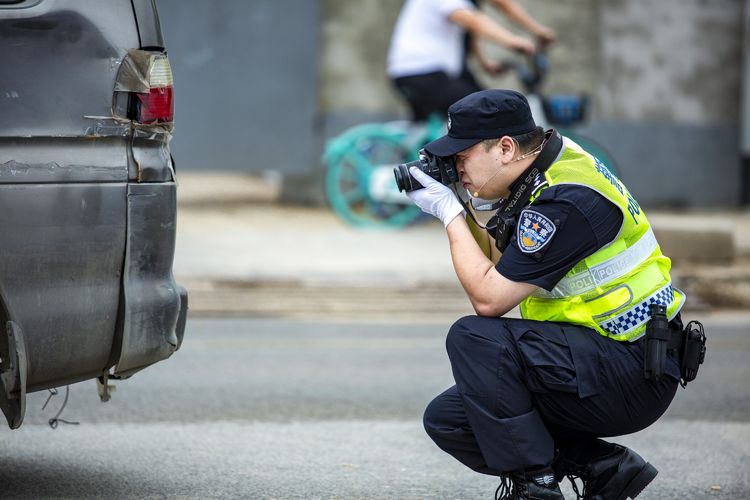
450,122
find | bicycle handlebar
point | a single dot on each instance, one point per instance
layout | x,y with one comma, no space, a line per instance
531,71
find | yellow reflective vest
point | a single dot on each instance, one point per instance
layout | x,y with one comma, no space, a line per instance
611,290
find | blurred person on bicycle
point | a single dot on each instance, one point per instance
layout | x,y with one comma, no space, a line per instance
431,42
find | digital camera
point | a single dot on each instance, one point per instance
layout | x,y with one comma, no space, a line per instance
442,169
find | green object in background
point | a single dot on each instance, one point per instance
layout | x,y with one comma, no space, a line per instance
360,185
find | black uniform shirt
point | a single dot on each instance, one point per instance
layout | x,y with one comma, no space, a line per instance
564,225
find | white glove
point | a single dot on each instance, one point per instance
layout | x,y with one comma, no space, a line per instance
435,199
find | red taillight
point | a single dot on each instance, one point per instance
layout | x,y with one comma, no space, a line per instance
157,105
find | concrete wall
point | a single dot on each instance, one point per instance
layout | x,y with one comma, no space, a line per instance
664,78
355,36
259,85
670,96
246,76
675,61
643,60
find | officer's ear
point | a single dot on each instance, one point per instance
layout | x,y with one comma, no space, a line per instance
508,148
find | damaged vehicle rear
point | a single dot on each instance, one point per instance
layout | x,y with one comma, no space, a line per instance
87,196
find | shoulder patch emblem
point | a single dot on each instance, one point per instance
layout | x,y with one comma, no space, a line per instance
534,231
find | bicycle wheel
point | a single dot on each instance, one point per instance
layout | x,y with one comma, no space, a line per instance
353,163
596,150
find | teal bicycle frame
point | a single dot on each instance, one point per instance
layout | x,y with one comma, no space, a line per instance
360,185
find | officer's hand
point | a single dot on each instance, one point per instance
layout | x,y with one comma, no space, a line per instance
435,199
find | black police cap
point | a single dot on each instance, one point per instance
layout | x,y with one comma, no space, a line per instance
487,114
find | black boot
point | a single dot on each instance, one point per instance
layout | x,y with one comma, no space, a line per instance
617,474
537,485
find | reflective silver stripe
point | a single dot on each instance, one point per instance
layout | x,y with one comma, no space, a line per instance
638,314
603,273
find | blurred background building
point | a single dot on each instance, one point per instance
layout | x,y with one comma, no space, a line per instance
261,85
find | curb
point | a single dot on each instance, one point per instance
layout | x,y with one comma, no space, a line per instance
695,238
325,301
716,287
227,189
709,288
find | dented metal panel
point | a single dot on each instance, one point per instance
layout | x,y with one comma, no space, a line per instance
61,273
86,257
50,159
151,296
152,159
59,62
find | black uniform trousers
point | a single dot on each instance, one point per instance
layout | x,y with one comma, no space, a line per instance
526,388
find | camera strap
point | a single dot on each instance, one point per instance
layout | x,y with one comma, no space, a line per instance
501,225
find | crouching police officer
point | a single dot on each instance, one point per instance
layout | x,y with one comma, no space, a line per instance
534,395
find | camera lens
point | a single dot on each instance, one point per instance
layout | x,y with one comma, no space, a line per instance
404,179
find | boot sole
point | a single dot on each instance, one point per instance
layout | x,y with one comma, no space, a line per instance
639,482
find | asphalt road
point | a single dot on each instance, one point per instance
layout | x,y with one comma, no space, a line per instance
289,409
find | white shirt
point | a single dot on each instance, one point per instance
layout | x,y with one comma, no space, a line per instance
424,40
